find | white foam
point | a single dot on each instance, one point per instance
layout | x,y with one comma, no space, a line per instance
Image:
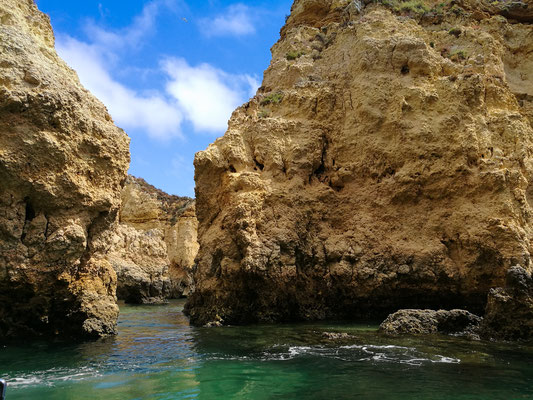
52,376
447,360
24,381
347,353
297,350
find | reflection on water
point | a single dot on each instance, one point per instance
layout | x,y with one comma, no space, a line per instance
157,355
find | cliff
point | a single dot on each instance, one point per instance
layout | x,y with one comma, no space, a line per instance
385,163
62,162
154,245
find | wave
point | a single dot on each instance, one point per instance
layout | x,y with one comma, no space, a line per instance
357,353
52,376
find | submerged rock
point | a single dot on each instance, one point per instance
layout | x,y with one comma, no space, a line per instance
384,163
453,322
154,245
62,163
337,336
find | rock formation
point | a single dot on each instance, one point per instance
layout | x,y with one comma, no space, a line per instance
62,162
385,163
454,322
509,313
154,246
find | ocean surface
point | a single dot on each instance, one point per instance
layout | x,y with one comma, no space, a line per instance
157,355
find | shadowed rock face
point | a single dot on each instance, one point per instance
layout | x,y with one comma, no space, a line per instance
62,163
509,313
385,163
154,246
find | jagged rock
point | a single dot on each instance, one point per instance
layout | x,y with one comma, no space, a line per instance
385,163
453,322
154,246
337,336
509,312
518,10
62,162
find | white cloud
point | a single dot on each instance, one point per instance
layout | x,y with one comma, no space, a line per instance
236,21
156,114
202,95
206,95
253,84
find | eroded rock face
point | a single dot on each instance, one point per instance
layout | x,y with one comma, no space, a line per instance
154,246
385,163
62,162
509,313
452,322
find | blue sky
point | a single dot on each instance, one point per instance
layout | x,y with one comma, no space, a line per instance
169,71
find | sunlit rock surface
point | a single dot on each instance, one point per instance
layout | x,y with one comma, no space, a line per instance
385,163
154,246
62,163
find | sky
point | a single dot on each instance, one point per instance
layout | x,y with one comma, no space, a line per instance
170,72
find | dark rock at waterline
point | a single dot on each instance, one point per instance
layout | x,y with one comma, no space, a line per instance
337,336
137,287
509,311
411,321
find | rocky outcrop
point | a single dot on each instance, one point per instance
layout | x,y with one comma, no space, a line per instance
453,322
62,162
385,163
509,313
154,246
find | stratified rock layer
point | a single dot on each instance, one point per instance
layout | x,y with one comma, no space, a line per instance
154,246
62,162
385,163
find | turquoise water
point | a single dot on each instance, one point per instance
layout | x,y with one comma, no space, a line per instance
157,355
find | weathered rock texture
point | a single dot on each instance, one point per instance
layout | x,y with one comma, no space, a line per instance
385,163
509,313
453,322
154,246
62,162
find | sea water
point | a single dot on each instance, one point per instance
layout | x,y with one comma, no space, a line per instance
157,355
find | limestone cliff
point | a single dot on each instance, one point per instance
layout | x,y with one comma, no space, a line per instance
385,163
62,162
154,246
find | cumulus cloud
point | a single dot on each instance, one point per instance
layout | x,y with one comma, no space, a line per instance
156,114
202,95
235,21
206,95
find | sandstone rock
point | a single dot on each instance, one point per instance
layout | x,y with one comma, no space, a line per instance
392,171
154,246
509,313
62,162
456,322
